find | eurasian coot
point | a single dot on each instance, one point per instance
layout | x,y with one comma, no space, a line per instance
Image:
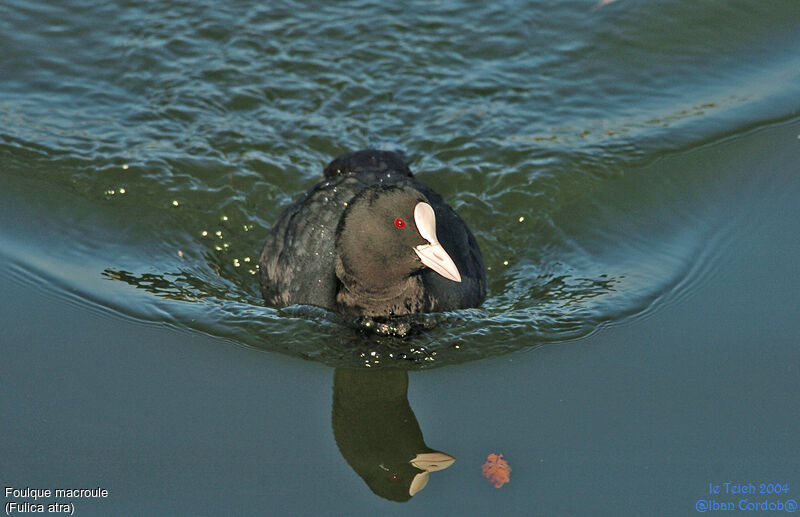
370,241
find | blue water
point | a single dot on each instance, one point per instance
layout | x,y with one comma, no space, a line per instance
630,173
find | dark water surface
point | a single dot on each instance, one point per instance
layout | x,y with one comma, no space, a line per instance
630,173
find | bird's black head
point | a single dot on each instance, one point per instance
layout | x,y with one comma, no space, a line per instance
388,234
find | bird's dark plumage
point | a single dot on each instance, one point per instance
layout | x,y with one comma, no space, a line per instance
359,243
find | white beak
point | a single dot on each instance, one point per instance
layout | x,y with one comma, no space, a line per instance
433,254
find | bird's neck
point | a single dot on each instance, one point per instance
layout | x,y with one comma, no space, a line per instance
394,298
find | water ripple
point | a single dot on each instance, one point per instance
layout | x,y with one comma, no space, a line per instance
590,175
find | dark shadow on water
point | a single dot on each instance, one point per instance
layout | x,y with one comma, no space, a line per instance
379,436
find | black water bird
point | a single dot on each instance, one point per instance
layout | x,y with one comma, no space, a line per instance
371,242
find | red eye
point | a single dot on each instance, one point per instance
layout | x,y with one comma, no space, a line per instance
399,223
394,476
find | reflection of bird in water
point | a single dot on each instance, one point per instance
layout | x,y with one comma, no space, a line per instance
378,434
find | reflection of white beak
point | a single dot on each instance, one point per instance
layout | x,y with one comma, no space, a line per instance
428,462
433,254
418,483
432,461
